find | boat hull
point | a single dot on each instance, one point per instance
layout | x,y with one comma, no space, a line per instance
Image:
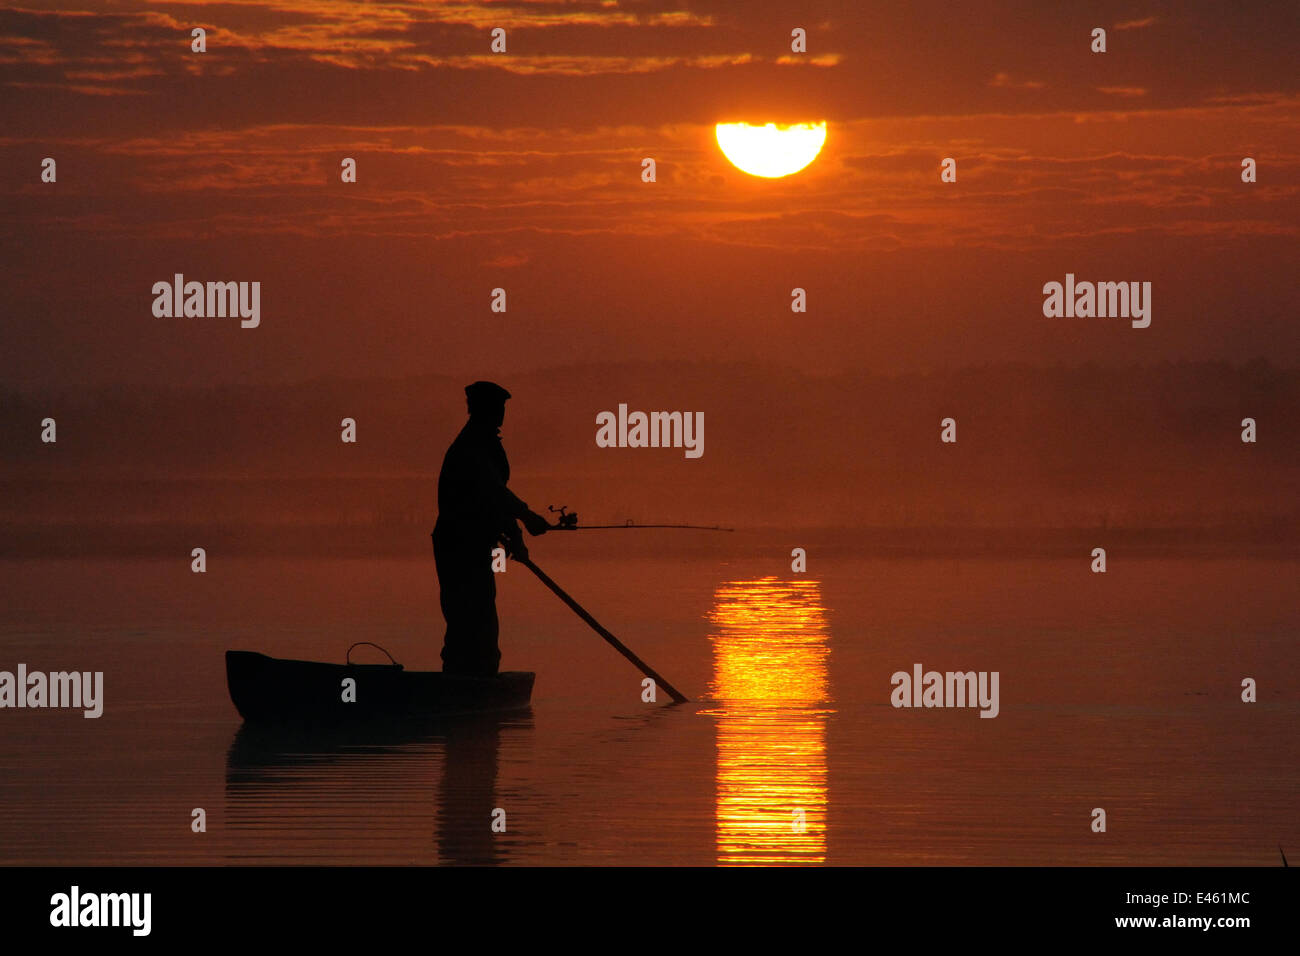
275,691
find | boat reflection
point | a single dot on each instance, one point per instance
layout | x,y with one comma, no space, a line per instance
377,768
771,700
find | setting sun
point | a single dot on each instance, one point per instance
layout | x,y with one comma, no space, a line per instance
771,151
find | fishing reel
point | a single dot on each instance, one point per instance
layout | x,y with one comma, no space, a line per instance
566,521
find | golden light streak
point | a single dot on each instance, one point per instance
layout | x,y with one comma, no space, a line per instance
770,652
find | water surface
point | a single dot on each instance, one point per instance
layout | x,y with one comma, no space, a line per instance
1119,691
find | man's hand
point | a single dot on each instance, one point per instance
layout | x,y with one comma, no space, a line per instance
514,545
536,524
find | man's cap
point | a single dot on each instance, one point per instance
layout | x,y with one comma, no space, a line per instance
486,392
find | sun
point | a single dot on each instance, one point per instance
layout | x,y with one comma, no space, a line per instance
771,151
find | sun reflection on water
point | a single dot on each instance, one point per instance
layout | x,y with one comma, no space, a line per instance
771,698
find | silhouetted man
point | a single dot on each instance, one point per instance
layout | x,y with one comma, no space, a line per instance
475,511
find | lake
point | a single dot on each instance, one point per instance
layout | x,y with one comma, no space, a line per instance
1119,691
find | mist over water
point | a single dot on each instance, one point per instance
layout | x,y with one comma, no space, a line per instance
1119,690
147,471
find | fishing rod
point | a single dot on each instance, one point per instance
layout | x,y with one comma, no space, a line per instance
678,697
569,522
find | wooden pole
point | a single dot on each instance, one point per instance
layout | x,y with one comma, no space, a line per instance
618,645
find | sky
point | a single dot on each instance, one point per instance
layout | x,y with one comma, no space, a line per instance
522,171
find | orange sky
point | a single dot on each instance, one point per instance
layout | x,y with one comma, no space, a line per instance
522,171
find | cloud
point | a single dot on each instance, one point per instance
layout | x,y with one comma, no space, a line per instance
576,65
1124,90
801,59
507,261
1004,81
1136,24
515,187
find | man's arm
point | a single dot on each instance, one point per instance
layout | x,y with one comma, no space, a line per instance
519,511
513,508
